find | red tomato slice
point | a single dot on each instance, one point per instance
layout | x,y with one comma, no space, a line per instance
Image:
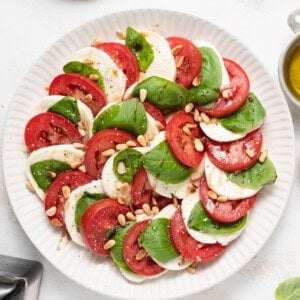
78,86
225,212
182,144
155,113
145,266
187,246
232,156
140,191
101,141
48,129
238,88
123,58
192,60
96,220
54,196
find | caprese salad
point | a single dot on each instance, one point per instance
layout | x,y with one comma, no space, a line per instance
149,150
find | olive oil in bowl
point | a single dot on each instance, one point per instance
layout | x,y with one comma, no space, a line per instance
292,70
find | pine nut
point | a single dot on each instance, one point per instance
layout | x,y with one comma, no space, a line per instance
212,195
82,168
56,222
175,201
108,152
195,175
30,187
88,61
179,61
93,77
182,261
141,139
81,131
109,244
186,130
143,95
96,42
176,49
121,147
263,156
66,191
197,80
154,201
227,93
131,143
189,107
204,117
50,212
79,146
139,211
122,220
198,145
120,34
81,125
222,198
141,254
158,125
123,186
130,216
52,174
191,270
120,201
191,125
76,164
88,98
121,168
146,209
250,153
196,115
155,210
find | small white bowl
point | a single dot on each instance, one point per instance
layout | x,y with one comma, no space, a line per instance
294,24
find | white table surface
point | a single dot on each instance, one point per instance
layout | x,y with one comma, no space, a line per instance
28,27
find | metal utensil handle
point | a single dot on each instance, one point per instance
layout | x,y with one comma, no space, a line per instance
293,21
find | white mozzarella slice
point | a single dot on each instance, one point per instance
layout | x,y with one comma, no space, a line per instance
187,206
220,183
94,187
113,78
86,115
177,263
152,130
160,137
217,132
225,76
163,64
64,153
128,92
113,187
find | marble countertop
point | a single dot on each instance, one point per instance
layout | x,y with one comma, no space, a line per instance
29,27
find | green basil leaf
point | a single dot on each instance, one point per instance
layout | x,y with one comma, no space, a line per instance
116,251
155,239
68,108
132,160
202,95
247,118
255,177
208,91
83,203
211,70
288,290
167,95
127,115
40,171
84,70
140,47
200,221
162,164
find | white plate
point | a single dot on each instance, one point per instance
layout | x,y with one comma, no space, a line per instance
99,274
